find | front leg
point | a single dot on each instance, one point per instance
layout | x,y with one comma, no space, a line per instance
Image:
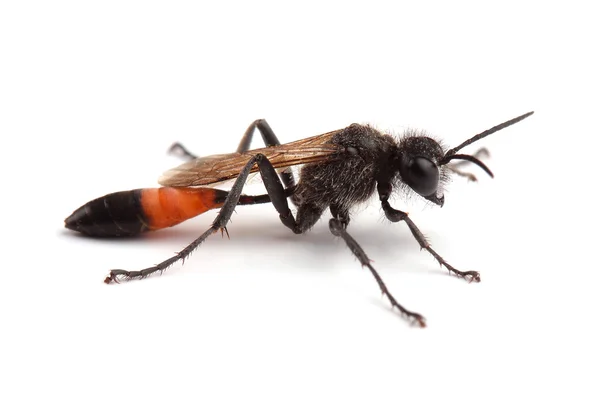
455,166
397,215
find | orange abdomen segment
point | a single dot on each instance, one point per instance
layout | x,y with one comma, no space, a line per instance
168,206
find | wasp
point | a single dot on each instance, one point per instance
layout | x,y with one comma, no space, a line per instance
338,170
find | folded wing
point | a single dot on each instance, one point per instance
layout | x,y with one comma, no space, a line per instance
222,167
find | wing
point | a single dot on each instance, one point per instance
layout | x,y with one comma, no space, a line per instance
218,168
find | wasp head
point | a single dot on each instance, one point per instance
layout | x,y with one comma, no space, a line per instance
422,161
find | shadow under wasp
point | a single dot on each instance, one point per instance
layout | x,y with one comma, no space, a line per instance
339,170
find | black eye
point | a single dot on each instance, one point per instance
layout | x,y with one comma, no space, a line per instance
421,174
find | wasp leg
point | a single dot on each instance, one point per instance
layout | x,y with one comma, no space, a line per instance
266,132
341,214
337,228
276,194
471,177
246,200
179,150
454,166
268,137
396,215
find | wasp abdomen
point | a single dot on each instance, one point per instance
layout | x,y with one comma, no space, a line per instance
135,211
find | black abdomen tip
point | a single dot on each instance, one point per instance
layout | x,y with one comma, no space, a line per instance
116,214
79,220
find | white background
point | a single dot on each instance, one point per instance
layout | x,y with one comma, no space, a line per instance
92,95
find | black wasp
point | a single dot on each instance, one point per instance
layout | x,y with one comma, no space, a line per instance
340,169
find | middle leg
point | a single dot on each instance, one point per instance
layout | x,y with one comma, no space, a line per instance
338,228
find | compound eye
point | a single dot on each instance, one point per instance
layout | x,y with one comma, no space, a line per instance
422,175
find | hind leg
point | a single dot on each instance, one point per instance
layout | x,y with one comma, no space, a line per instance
268,136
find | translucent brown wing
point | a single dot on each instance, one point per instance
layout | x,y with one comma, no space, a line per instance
218,168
